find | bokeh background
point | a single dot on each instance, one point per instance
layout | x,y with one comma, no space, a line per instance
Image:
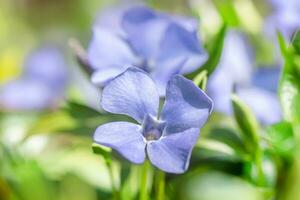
49,109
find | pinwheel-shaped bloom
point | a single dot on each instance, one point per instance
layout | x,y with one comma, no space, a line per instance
159,44
167,137
256,87
41,85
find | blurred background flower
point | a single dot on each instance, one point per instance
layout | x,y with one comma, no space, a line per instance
41,84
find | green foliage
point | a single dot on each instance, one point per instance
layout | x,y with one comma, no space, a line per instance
282,139
201,80
247,122
74,118
289,86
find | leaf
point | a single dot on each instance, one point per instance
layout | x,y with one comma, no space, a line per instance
230,138
215,51
296,41
201,80
289,85
247,123
228,13
74,118
101,150
281,137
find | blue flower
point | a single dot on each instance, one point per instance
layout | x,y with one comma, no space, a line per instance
160,44
166,137
41,85
256,87
284,17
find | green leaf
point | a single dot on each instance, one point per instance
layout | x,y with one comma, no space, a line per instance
281,137
74,118
296,42
201,80
215,51
229,137
227,11
101,150
247,122
289,86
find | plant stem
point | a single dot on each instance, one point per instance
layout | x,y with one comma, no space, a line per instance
144,176
111,176
160,190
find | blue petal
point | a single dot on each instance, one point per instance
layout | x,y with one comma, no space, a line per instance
179,42
47,65
263,103
132,93
266,78
172,153
26,95
109,50
103,76
124,137
137,15
163,74
144,29
186,105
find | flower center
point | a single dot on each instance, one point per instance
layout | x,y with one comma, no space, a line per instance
152,128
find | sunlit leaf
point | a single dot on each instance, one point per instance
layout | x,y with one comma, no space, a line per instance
281,137
289,86
247,122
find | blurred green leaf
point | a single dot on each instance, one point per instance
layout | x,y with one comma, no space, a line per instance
247,123
102,150
264,175
296,42
227,11
201,80
289,86
229,137
212,149
281,137
74,118
214,49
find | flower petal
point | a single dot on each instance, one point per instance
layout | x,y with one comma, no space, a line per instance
179,42
172,153
186,105
27,95
144,29
163,74
47,65
102,76
106,49
264,104
124,137
132,93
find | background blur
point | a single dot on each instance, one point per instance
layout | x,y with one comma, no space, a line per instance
47,118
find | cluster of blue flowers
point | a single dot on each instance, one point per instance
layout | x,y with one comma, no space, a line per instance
139,64
159,44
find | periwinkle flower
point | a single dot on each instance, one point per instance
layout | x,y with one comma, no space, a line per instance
285,16
160,44
167,137
40,86
256,87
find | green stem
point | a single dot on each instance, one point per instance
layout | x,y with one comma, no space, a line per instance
144,176
112,180
259,167
160,191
